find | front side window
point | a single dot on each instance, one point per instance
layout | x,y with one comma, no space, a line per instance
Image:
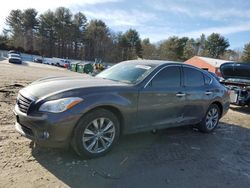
168,77
193,77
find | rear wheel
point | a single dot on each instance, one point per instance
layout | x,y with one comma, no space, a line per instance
211,119
96,133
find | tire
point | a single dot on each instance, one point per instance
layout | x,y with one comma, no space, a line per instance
210,120
96,133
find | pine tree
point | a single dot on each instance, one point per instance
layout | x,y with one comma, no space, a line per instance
216,45
246,53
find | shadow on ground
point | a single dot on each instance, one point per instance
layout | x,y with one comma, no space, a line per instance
177,157
242,109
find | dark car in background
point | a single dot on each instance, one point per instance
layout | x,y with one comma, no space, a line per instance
237,80
38,60
91,113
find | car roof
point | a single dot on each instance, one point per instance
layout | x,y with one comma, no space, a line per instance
161,63
13,52
152,62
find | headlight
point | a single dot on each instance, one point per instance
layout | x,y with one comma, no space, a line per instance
60,105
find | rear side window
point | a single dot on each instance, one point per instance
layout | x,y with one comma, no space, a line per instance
193,77
168,77
207,79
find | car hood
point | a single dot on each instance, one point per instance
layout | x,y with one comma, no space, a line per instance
52,85
235,71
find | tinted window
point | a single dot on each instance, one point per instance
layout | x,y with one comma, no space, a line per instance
193,77
168,77
215,76
207,79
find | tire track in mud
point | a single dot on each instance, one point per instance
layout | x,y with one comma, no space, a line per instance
8,93
226,148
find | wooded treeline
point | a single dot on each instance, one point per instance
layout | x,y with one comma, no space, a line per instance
61,33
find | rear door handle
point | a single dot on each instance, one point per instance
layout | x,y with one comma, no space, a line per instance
208,92
180,94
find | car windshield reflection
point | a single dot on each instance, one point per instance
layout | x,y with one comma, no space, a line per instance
126,73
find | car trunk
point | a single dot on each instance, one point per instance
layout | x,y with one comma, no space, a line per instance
237,80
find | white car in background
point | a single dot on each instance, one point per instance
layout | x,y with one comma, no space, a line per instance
60,62
14,57
57,62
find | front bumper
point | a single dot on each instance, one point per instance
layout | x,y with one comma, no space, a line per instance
50,130
18,61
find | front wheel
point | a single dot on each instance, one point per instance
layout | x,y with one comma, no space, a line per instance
96,133
211,119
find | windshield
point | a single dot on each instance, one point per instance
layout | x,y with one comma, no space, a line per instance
14,55
131,73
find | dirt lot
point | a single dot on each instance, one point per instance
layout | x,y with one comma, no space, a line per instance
179,157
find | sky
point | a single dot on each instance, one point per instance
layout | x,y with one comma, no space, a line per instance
156,19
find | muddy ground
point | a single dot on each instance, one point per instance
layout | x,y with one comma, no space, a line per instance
179,157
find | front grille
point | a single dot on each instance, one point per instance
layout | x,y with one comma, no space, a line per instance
23,103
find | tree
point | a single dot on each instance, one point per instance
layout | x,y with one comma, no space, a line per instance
79,24
115,53
63,25
216,45
190,49
14,21
200,45
129,44
47,33
4,42
133,43
246,53
148,50
173,48
22,27
123,46
232,55
97,37
29,24
62,34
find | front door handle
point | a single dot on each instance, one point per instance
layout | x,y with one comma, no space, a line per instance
180,94
208,92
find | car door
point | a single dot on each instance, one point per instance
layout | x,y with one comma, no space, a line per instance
160,103
198,95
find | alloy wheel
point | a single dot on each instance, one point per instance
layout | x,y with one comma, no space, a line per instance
98,135
212,118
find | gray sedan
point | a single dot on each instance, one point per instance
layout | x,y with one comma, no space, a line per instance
140,95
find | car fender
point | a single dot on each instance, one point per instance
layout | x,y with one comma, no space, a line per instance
126,107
